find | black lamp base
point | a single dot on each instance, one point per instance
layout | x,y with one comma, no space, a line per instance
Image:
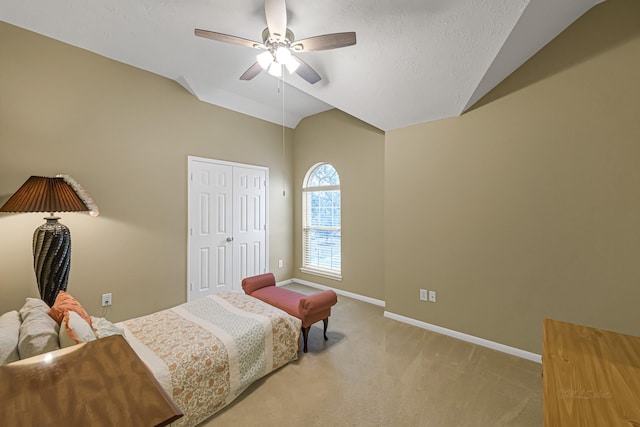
51,258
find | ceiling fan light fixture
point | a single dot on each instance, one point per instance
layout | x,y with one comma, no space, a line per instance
275,69
265,59
282,55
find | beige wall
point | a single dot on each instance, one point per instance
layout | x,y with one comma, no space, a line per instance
125,135
528,206
356,150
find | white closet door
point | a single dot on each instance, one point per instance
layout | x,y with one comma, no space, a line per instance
227,225
249,225
211,229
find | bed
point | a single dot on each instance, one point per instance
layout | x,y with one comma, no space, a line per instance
203,353
206,352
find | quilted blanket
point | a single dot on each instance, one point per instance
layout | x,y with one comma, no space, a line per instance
206,352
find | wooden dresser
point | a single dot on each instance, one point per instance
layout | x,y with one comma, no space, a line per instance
99,383
591,377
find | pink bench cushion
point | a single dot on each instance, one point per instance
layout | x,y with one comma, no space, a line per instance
284,299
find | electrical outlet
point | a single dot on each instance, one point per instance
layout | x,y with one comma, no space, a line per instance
280,263
423,295
432,296
106,299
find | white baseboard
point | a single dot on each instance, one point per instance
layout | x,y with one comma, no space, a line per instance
464,337
284,282
439,329
358,297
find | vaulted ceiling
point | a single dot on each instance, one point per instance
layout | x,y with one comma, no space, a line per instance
415,60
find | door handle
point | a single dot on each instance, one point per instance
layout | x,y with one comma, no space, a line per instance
229,239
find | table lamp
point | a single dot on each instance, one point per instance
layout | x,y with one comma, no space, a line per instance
52,240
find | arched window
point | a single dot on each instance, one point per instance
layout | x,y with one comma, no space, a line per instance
321,247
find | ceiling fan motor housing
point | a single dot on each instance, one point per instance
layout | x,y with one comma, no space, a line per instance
268,40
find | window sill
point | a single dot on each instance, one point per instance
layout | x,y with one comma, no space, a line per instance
322,273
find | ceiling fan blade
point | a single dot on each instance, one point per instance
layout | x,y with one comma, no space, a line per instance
276,13
306,72
226,38
325,42
253,71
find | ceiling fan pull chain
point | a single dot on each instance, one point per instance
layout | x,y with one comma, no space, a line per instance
284,157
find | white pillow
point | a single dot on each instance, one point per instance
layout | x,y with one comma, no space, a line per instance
9,334
38,331
74,330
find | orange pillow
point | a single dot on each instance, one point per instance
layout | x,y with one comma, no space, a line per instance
65,302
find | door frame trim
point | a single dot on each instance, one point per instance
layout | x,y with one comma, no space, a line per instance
190,161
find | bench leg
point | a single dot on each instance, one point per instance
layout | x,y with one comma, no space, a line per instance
305,336
305,333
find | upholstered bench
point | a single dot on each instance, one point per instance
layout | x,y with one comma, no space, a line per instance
308,308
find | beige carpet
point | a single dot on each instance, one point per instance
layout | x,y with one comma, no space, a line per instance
374,371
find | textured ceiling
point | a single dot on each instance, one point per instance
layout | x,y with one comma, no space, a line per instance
415,60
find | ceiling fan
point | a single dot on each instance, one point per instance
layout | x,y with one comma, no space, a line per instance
278,43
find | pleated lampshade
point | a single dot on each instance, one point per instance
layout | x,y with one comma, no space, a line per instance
43,194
